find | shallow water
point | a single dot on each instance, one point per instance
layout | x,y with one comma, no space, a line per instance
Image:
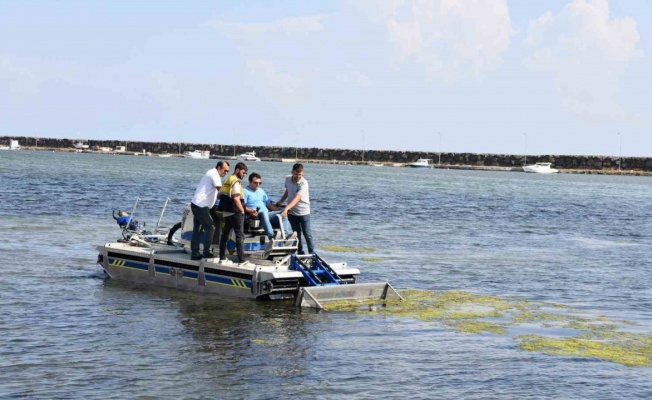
65,331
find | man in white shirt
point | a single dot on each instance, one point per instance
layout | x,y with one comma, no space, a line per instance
202,202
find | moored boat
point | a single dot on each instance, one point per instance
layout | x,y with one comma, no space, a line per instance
249,156
198,154
540,168
13,145
421,163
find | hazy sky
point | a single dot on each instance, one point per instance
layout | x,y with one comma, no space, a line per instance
484,76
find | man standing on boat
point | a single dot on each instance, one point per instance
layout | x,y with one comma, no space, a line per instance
298,209
202,202
232,207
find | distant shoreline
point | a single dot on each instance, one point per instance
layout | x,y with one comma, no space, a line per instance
585,171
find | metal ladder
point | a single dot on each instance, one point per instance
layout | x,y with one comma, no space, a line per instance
315,270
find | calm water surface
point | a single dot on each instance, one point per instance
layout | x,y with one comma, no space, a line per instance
67,332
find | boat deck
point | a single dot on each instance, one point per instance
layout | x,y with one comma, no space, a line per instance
173,253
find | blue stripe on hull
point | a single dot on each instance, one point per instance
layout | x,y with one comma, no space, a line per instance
228,281
161,270
191,274
117,262
214,279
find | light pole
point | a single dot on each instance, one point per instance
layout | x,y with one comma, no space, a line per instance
439,161
620,150
525,149
363,146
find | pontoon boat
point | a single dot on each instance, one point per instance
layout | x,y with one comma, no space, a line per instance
273,271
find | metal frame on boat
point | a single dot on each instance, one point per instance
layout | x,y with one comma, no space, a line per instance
274,270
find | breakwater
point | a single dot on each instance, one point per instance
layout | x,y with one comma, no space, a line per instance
568,162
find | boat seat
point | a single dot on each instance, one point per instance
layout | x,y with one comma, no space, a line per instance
253,226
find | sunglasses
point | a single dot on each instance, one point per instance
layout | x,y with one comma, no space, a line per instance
257,183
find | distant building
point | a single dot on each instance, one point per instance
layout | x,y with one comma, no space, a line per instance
120,149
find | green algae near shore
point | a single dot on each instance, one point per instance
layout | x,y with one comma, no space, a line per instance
595,337
346,249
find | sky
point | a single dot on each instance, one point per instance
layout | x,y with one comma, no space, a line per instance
481,76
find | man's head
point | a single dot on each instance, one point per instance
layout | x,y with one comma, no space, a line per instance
297,172
240,170
222,168
255,181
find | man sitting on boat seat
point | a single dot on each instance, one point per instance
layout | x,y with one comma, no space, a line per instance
257,204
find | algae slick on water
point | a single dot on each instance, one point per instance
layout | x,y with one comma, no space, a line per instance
273,269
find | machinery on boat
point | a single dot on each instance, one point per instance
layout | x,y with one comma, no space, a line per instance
274,270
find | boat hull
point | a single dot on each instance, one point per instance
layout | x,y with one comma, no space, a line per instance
170,267
540,170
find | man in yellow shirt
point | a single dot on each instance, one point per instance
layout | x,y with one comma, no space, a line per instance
233,211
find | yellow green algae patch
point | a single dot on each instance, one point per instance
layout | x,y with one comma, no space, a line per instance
372,259
628,352
477,327
260,341
595,337
346,249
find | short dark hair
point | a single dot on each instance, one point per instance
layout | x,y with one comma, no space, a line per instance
297,167
254,175
241,165
221,164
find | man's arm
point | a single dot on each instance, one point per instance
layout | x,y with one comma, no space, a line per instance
238,203
291,204
285,196
235,195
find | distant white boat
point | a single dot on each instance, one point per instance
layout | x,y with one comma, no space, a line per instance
377,164
13,145
540,168
250,156
199,154
422,163
165,155
288,160
81,146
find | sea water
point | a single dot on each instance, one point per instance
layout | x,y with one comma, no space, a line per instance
66,331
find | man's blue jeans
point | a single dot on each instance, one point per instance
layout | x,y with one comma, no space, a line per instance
301,225
266,218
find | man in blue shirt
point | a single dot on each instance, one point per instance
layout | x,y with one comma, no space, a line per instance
256,198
